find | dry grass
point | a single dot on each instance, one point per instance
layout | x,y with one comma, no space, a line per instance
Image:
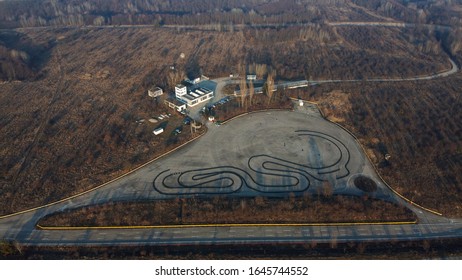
74,125
417,125
222,210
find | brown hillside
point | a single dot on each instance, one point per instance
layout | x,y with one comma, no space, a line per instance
74,126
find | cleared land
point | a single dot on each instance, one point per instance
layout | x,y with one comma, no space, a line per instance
416,123
74,125
320,159
268,154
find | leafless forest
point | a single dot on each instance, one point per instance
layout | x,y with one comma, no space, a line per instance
416,123
226,13
74,81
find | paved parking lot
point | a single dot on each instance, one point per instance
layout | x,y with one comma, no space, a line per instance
269,153
273,153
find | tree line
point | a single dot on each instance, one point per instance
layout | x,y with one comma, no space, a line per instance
28,13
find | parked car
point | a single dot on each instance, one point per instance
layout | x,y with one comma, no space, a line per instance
177,131
187,121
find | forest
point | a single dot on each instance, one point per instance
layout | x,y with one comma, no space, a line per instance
33,13
72,94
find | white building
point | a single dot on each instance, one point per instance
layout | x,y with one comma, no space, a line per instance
251,77
175,104
180,90
155,91
194,97
195,80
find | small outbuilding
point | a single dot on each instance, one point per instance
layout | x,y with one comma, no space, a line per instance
155,91
251,77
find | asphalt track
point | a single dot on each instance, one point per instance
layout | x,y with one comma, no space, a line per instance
275,153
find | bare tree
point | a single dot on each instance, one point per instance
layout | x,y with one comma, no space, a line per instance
243,90
251,92
260,70
269,87
174,77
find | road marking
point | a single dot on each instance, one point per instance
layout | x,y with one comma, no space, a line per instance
224,225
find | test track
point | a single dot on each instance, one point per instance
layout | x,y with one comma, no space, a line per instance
285,176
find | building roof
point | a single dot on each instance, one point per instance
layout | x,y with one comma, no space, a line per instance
200,92
187,96
206,90
174,101
155,88
194,94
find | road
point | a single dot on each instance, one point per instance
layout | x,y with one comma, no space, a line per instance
213,27
241,235
305,83
257,154
454,69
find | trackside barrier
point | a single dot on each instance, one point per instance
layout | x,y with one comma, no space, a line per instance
223,225
104,184
375,168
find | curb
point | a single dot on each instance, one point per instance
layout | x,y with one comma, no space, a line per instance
370,161
197,137
106,183
222,225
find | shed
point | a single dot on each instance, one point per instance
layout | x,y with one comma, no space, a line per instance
155,91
